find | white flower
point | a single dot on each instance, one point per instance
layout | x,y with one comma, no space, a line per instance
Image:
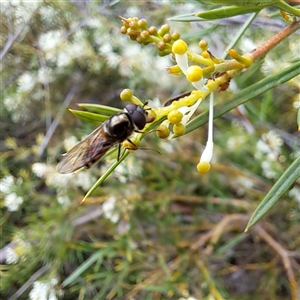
84,180
45,290
12,104
273,139
263,147
47,13
296,104
24,11
269,147
241,184
11,256
268,170
64,201
188,111
25,82
6,183
44,75
40,291
12,202
295,193
53,178
109,210
51,39
93,22
70,142
58,180
204,164
128,170
40,169
235,142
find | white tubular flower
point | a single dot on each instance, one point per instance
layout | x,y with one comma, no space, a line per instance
204,164
188,111
179,49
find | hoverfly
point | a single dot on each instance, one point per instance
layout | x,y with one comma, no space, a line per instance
112,132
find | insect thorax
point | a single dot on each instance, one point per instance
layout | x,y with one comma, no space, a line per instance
119,126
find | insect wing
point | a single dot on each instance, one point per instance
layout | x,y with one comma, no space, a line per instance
87,152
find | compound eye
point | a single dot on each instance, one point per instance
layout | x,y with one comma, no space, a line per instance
139,119
131,108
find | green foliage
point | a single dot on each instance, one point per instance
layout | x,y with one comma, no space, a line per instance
151,226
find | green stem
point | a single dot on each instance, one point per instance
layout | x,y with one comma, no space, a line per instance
290,9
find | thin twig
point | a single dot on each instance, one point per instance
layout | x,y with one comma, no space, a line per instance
11,39
46,90
229,222
152,278
55,122
263,49
284,254
206,275
89,216
29,282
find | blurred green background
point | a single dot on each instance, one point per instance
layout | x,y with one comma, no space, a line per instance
156,229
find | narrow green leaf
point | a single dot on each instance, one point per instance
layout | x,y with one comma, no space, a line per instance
247,94
185,18
100,109
117,162
279,188
105,175
239,34
232,243
83,267
298,118
241,2
89,116
226,12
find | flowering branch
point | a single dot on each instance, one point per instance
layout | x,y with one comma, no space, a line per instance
217,71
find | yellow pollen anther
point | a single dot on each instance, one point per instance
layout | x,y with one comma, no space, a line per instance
194,73
179,47
203,167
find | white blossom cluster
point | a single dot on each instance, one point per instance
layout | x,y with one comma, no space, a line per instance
11,200
19,248
45,290
268,151
63,181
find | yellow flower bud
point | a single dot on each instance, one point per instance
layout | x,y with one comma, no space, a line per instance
174,70
130,146
162,132
179,129
175,36
245,60
161,46
142,23
203,44
175,117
